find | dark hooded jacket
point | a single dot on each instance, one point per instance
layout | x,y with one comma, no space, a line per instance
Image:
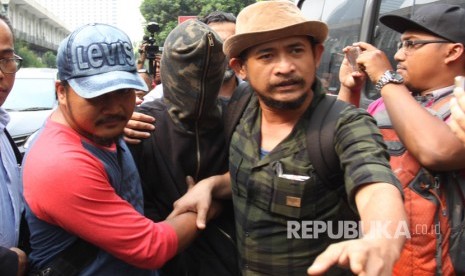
188,141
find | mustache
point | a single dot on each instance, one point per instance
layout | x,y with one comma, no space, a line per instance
111,119
288,81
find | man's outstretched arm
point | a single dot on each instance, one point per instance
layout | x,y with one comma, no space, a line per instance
382,215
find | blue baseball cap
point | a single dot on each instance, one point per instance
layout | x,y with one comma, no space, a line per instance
96,59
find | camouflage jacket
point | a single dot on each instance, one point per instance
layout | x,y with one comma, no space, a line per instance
188,140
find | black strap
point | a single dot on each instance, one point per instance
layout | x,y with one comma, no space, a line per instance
236,106
19,156
320,141
24,233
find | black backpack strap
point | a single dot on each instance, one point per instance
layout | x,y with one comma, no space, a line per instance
19,156
320,140
236,106
24,233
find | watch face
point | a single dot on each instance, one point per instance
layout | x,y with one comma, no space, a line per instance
389,77
396,77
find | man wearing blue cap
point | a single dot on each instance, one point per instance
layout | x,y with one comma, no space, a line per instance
416,98
83,196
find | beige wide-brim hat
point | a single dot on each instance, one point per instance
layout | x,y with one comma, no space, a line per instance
269,20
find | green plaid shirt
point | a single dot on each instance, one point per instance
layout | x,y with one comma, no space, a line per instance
262,203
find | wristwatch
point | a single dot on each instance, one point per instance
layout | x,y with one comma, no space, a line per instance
388,77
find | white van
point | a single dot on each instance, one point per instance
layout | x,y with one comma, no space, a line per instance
30,102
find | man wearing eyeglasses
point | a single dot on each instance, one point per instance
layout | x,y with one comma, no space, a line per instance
13,260
416,98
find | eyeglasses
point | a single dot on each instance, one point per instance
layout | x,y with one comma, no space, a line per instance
408,45
10,65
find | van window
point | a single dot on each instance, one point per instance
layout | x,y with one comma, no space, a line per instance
344,19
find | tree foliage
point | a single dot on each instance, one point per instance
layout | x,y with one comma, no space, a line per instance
166,12
30,58
49,59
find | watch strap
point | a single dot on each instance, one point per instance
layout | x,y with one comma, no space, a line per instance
388,77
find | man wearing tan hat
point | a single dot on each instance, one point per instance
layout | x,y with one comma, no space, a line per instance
281,206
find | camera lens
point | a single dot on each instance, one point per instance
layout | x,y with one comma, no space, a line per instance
153,27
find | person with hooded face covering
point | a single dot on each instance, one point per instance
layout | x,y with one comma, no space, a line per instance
188,142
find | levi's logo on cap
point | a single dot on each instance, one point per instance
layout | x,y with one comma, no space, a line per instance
96,59
101,54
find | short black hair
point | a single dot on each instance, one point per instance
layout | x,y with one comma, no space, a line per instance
65,83
7,21
218,16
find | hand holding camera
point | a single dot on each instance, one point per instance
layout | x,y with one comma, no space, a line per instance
142,49
149,48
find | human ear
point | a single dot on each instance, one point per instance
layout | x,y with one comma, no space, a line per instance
239,68
60,91
454,52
